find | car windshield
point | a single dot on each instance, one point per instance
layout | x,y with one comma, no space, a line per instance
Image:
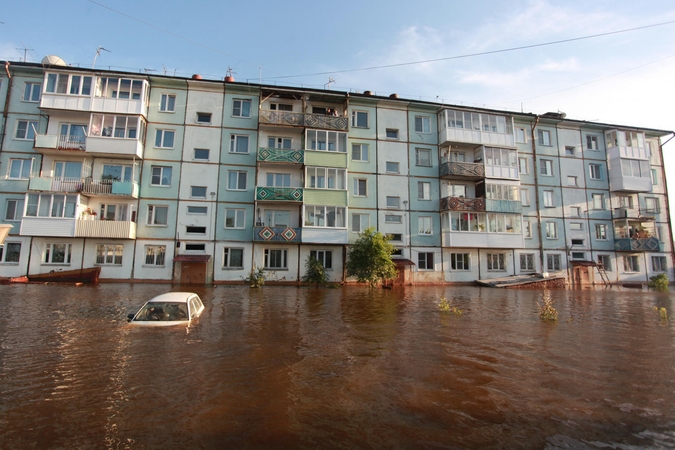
163,311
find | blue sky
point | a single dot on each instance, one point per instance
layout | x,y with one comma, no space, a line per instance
621,78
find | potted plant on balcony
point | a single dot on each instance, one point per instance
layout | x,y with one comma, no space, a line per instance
88,214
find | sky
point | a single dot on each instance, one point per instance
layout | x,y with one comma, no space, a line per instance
620,78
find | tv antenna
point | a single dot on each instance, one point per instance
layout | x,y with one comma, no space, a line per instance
230,72
98,53
25,50
330,80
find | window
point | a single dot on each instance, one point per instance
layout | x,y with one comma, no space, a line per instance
496,262
398,237
546,167
457,190
57,254
425,261
51,205
392,218
634,168
325,256
457,157
579,255
659,264
324,216
195,247
569,150
576,226
528,229
544,137
424,225
19,169
275,259
631,263
279,142
203,117
32,92
655,177
575,211
596,171
241,108
114,87
360,152
116,127
391,133
525,197
25,129
572,181
527,262
200,210
393,202
233,258
14,210
548,199
551,230
578,242
652,205
523,167
392,167
553,262
459,261
591,142
236,181
520,135
360,222
195,230
201,154
275,218
360,187
158,215
161,176
164,138
360,119
423,157
601,231
10,252
109,254
423,190
422,124
325,178
281,107
155,255
598,201
167,103
238,143
606,262
322,140
235,218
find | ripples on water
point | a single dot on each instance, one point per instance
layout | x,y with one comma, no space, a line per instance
336,368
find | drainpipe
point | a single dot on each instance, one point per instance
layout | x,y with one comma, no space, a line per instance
535,168
5,111
665,190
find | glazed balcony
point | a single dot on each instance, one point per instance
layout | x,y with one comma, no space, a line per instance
281,155
473,171
85,186
307,120
462,204
651,244
504,206
637,214
71,227
278,194
475,128
97,146
58,142
277,234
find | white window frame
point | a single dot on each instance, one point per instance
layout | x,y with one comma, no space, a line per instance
234,143
423,190
393,218
48,255
424,123
631,264
391,133
283,256
238,219
460,262
553,262
238,109
358,219
546,167
608,258
152,215
28,133
17,208
598,201
572,180
360,187
389,165
525,196
661,266
544,138
592,143
194,154
362,150
551,230
426,261
595,171
523,166
161,138
496,262
197,210
528,260
600,232
152,256
393,197
527,229
32,92
520,135
425,226
418,159
549,198
5,251
112,254
161,176
204,115
358,116
228,256
195,191
24,169
165,105
320,255
236,178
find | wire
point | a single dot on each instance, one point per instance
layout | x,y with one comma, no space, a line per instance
470,55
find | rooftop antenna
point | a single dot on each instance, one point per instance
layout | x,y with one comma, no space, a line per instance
164,67
98,53
25,50
149,70
330,80
230,72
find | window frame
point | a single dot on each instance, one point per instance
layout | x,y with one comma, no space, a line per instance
161,138
237,176
601,232
460,259
236,219
391,133
418,160
422,228
554,262
283,256
228,257
357,116
204,115
165,105
544,138
595,171
48,254
361,224
320,255
234,143
496,262
362,148
528,259
5,252
546,167
242,111
22,172
31,128
156,260
551,230
18,209
423,120
424,188
151,219
662,264
548,198
30,92
115,259
360,187
194,154
523,164
395,164
426,261
161,176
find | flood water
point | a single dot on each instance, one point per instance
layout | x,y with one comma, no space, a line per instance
285,367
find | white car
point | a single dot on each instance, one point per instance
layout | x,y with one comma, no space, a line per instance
172,308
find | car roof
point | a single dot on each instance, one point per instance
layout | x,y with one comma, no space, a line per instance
173,297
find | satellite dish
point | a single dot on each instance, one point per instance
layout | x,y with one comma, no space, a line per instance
53,60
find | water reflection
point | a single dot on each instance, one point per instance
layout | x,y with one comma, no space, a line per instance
336,368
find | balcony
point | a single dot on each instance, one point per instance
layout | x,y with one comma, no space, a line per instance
278,194
85,186
462,204
61,184
638,214
295,119
58,142
281,155
277,234
464,239
114,147
474,171
651,244
112,229
504,206
475,128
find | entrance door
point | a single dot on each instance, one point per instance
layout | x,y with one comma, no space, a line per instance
193,272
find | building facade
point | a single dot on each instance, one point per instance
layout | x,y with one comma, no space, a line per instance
202,181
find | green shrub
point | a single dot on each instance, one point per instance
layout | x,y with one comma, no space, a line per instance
315,272
659,282
445,306
256,278
547,312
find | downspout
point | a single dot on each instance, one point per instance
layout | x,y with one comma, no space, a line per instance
535,169
5,111
665,190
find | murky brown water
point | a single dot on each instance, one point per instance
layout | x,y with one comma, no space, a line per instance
343,368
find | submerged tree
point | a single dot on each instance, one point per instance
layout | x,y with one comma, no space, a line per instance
370,258
315,272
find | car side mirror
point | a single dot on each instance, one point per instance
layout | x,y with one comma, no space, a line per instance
131,317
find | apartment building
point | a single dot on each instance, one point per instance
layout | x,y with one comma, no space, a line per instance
201,181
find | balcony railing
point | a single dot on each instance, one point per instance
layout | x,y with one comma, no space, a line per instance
295,119
504,206
85,186
629,213
651,244
277,234
462,169
60,142
278,194
462,204
114,229
281,155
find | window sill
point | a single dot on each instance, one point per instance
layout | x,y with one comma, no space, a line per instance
232,268
152,266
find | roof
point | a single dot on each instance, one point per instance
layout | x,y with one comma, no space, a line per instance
192,258
584,263
403,262
173,297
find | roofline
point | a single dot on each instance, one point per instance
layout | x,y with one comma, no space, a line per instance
366,95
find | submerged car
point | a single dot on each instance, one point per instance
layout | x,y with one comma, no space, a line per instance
172,308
